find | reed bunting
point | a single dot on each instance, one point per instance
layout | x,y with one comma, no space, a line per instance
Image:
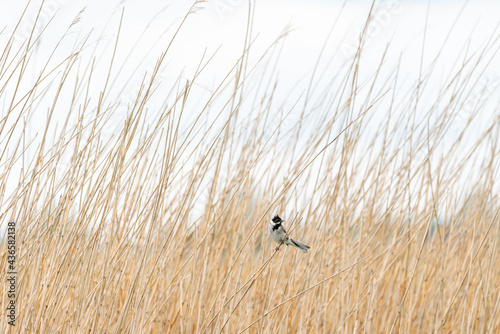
279,234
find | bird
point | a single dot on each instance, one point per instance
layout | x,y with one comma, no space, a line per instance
279,234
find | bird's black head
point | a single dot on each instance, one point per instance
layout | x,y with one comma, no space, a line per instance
276,219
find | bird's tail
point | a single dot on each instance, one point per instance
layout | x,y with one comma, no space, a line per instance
297,244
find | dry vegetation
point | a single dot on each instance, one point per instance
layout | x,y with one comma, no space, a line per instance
161,226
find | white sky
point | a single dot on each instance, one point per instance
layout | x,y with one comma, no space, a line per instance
222,23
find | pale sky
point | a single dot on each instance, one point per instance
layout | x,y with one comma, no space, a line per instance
222,23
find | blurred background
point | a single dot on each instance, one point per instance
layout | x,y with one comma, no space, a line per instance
307,46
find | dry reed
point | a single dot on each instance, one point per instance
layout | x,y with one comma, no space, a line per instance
160,227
